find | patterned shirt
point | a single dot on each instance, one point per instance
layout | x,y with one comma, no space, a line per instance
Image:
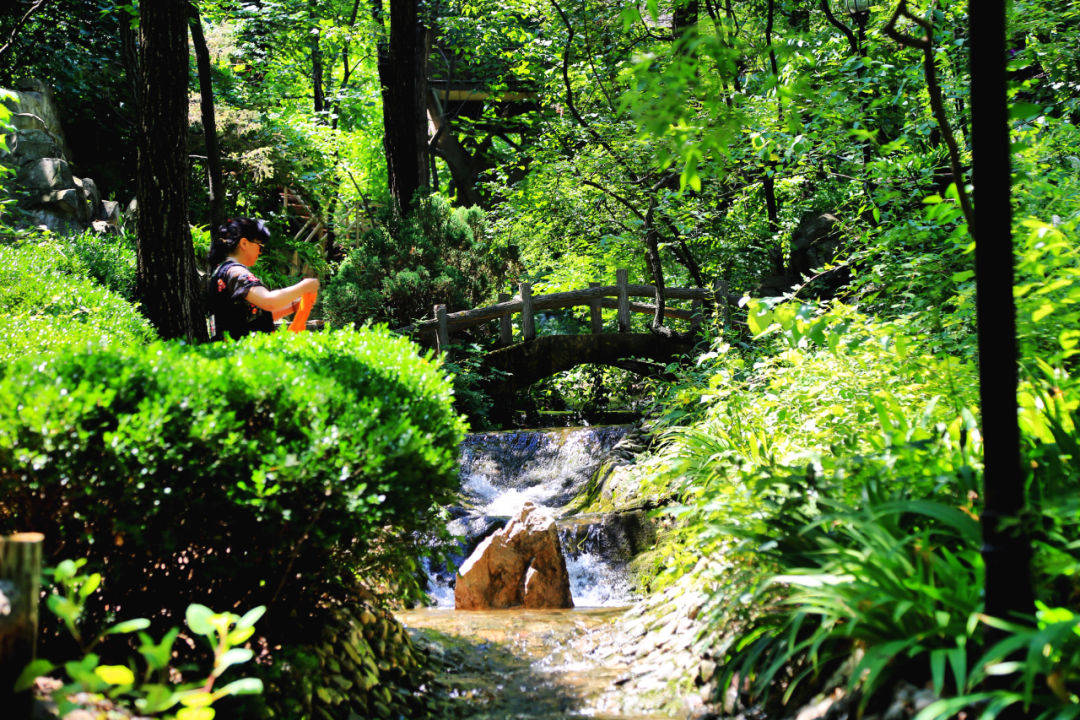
233,314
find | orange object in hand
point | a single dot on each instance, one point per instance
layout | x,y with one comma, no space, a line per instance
299,323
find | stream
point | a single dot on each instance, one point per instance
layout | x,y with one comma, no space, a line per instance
524,664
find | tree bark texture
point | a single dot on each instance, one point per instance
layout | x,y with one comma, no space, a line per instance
167,279
209,121
403,74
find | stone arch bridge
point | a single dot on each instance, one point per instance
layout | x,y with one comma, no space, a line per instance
523,358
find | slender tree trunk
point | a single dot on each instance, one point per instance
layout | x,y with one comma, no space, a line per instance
209,122
403,73
1006,550
319,102
776,254
167,279
652,257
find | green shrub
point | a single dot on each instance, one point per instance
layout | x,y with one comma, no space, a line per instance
51,302
254,473
402,268
109,259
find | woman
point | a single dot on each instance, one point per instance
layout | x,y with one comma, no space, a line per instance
239,302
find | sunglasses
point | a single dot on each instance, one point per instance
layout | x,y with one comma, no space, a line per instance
253,242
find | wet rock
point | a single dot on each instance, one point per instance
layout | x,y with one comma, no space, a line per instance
617,536
522,564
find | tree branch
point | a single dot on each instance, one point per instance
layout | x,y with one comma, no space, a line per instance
37,5
926,44
570,97
852,41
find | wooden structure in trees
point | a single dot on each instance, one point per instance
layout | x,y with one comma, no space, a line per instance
20,586
314,227
595,297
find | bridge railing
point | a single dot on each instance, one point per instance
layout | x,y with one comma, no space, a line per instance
595,297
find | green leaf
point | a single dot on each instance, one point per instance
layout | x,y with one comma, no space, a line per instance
115,674
196,699
238,637
31,672
243,686
63,608
195,713
1024,111
1043,310
65,570
128,626
233,657
250,617
937,669
158,654
89,585
156,699
199,619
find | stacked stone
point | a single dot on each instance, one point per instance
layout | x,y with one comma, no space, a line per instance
47,190
368,667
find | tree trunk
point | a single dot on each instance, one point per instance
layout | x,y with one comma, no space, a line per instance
209,122
402,72
316,62
167,280
447,146
1006,548
684,18
776,253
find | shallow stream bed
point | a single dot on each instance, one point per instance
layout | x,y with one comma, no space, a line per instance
523,664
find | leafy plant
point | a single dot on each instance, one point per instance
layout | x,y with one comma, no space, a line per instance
52,302
153,691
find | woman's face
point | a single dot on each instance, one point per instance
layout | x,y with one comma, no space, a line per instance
248,251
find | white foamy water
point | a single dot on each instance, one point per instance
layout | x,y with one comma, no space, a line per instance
595,582
501,471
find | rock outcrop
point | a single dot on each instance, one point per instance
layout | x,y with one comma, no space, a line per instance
519,565
47,190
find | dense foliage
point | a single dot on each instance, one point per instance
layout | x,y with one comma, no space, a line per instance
51,301
823,448
402,267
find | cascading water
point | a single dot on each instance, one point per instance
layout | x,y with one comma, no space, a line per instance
502,470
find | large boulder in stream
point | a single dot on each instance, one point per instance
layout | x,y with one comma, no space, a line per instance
522,564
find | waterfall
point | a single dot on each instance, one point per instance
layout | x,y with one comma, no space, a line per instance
502,470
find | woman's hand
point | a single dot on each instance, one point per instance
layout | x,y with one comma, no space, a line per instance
280,302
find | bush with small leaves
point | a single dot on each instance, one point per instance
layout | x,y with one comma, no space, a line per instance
258,472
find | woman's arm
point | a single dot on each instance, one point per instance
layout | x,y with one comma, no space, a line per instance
282,299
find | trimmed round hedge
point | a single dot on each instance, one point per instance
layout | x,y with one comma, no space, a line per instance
244,473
